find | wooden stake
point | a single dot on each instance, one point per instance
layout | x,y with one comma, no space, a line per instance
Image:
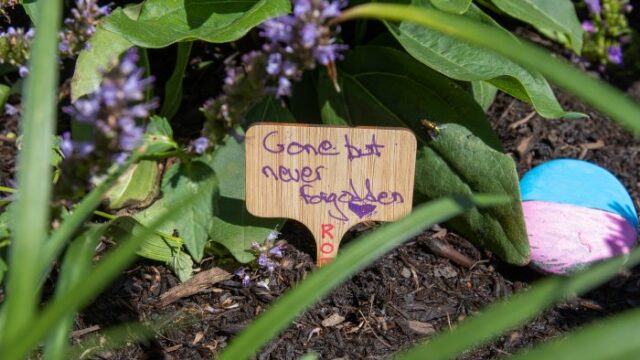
329,178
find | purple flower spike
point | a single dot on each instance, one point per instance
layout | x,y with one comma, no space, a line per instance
276,251
594,6
66,146
588,26
615,55
200,145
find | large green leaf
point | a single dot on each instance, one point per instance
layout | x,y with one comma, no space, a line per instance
163,22
462,61
192,223
601,95
137,187
232,225
352,259
558,16
457,162
155,247
104,49
386,87
452,6
484,93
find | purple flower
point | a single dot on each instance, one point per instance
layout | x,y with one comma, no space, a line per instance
23,71
588,26
326,54
66,146
80,26
11,110
594,6
278,30
274,63
614,53
262,260
113,110
284,87
200,145
276,251
308,35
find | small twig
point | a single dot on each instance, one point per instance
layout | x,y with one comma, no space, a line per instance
85,331
522,121
443,249
198,283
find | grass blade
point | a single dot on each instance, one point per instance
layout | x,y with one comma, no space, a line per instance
31,222
613,338
84,291
600,95
520,308
353,258
77,262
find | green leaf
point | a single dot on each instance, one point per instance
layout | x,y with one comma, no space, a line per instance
192,223
173,88
386,87
163,22
600,95
155,247
31,216
31,8
452,6
137,187
77,263
353,258
515,311
457,163
462,61
5,91
232,225
551,15
159,137
104,49
484,93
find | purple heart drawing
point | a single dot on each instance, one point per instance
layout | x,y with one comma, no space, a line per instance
361,210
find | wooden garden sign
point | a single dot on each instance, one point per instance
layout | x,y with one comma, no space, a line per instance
329,178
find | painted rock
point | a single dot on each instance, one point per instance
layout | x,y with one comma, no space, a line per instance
576,213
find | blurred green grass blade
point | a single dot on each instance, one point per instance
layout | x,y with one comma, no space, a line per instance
109,268
77,262
81,212
5,91
173,89
352,259
612,338
500,317
31,222
600,95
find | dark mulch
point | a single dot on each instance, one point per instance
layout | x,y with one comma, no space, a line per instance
406,296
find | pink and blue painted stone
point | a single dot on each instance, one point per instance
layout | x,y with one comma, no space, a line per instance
576,213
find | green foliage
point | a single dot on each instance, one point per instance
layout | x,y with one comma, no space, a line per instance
232,225
158,139
180,181
452,6
173,88
5,91
457,162
105,48
601,95
156,246
137,187
164,22
31,215
463,61
484,93
556,16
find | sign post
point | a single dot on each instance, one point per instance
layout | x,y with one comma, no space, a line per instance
329,178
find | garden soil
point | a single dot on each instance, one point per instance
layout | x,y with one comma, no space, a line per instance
403,298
